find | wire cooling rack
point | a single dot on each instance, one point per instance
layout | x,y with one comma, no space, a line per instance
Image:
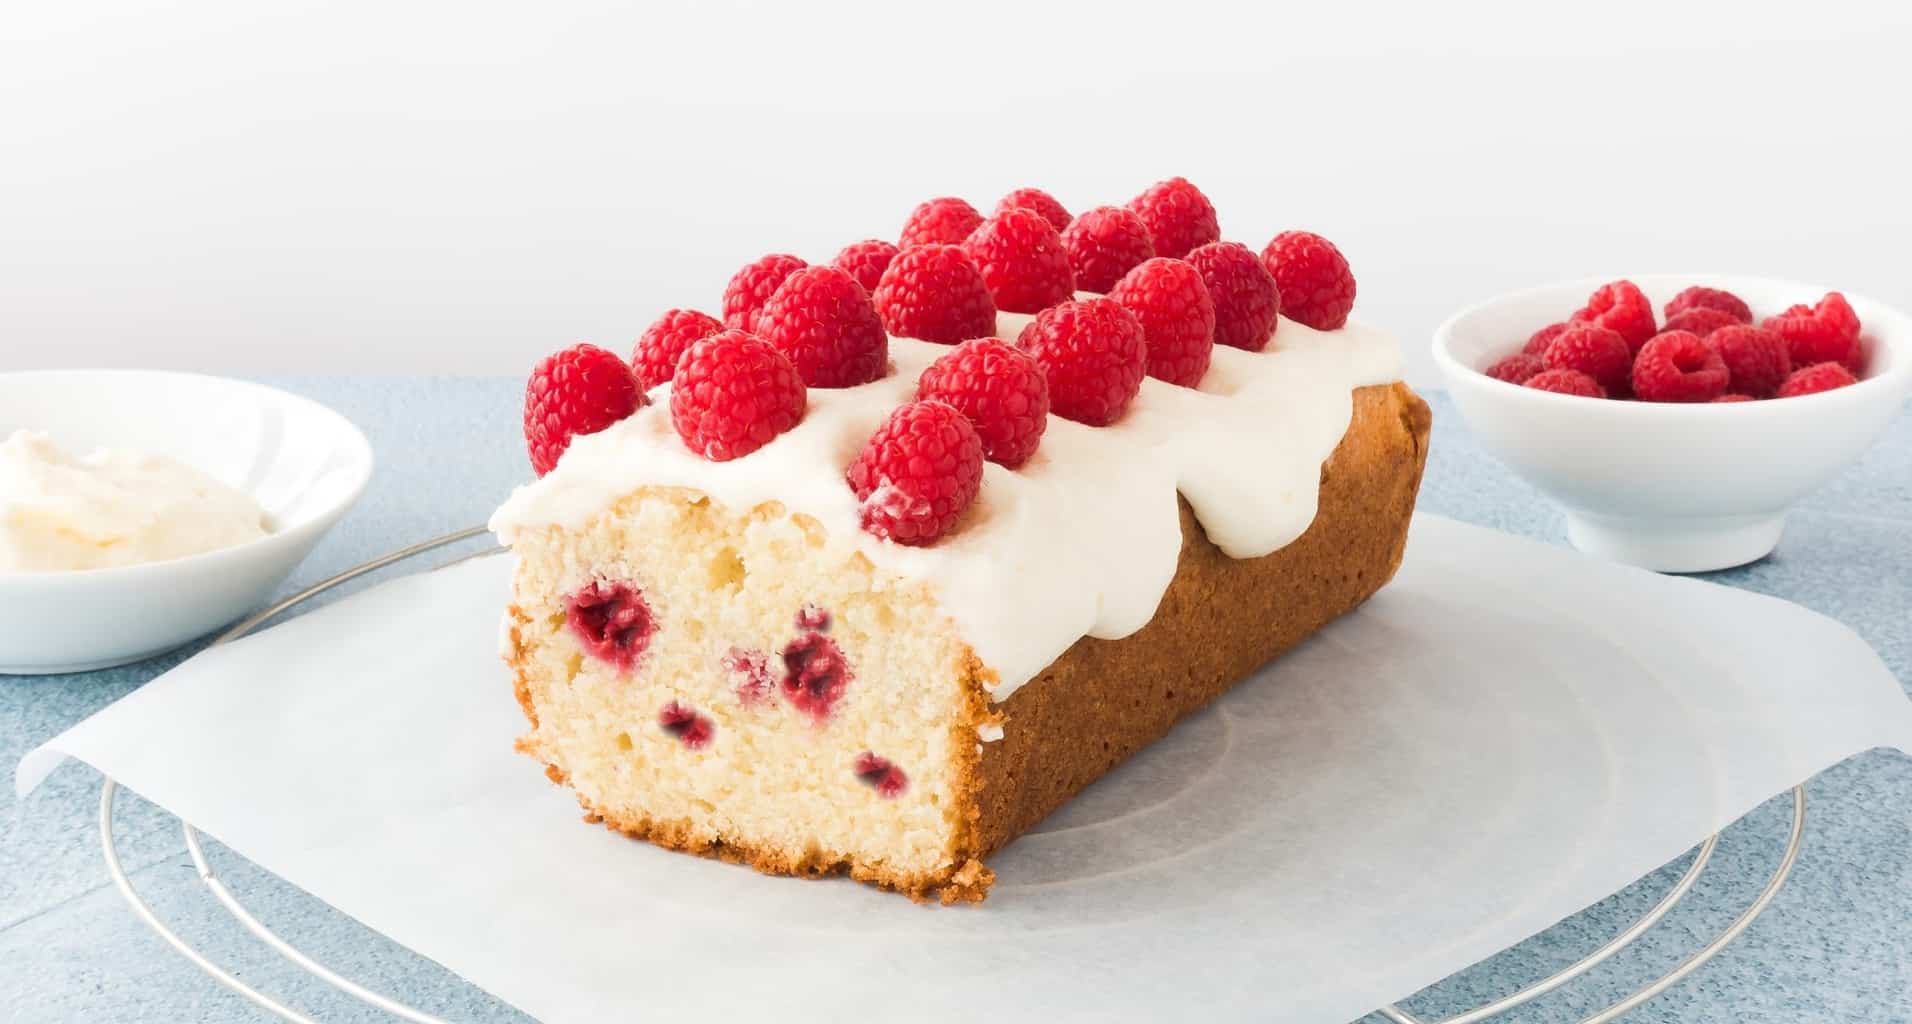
1496,1009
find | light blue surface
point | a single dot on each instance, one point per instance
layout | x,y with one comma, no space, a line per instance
1835,946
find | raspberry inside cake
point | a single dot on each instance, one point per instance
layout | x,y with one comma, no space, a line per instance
869,579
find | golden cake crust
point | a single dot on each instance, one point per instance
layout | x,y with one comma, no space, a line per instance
1104,700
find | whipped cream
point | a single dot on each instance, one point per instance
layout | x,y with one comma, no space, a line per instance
1083,539
111,508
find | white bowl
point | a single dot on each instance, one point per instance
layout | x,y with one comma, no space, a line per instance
304,463
1670,487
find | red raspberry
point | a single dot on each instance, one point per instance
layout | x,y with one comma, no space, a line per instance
815,675
1622,307
1103,244
1566,382
611,620
1177,315
865,261
1816,378
753,286
1178,217
822,320
733,394
1732,397
1316,286
944,221
1828,332
1247,303
1515,369
1698,297
750,674
655,357
580,390
1678,366
1002,391
918,473
1540,339
879,774
1700,320
1593,350
1094,354
681,720
1755,358
934,292
1022,261
1036,199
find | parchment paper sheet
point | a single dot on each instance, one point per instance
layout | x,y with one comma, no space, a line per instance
1506,734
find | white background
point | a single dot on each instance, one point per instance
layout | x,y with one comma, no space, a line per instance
297,187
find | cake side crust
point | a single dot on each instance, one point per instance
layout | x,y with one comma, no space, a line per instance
1220,619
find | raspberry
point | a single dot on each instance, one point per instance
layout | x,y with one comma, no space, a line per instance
944,221
752,286
815,675
580,390
1698,297
918,473
1540,339
1732,397
1678,366
1103,244
1700,320
1826,333
865,261
1041,202
1593,350
1022,261
611,621
1517,368
681,720
1247,303
934,292
1622,307
879,774
655,357
1566,382
751,671
1177,315
1002,391
733,394
822,320
1756,359
1178,217
1316,286
1816,378
1093,353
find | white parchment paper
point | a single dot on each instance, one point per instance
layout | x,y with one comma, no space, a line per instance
1506,734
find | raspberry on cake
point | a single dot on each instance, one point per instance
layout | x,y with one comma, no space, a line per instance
580,390
1104,244
1178,216
885,629
944,221
935,293
823,322
1022,261
753,285
1177,315
865,261
1316,286
1247,303
654,358
1041,202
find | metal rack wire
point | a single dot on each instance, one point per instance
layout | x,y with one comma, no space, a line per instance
194,847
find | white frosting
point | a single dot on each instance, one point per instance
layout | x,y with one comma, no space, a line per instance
111,508
1080,541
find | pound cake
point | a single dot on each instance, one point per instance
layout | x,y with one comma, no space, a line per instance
877,570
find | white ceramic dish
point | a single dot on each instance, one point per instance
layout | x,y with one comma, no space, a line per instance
304,463
1675,488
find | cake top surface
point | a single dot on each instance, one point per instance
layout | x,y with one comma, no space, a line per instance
1082,539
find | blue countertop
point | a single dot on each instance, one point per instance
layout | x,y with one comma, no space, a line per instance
1835,946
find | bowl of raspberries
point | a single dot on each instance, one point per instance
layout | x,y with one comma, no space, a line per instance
1675,417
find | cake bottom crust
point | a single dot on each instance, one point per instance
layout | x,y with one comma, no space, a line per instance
1104,700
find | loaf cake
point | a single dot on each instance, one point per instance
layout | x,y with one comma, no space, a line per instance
874,573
